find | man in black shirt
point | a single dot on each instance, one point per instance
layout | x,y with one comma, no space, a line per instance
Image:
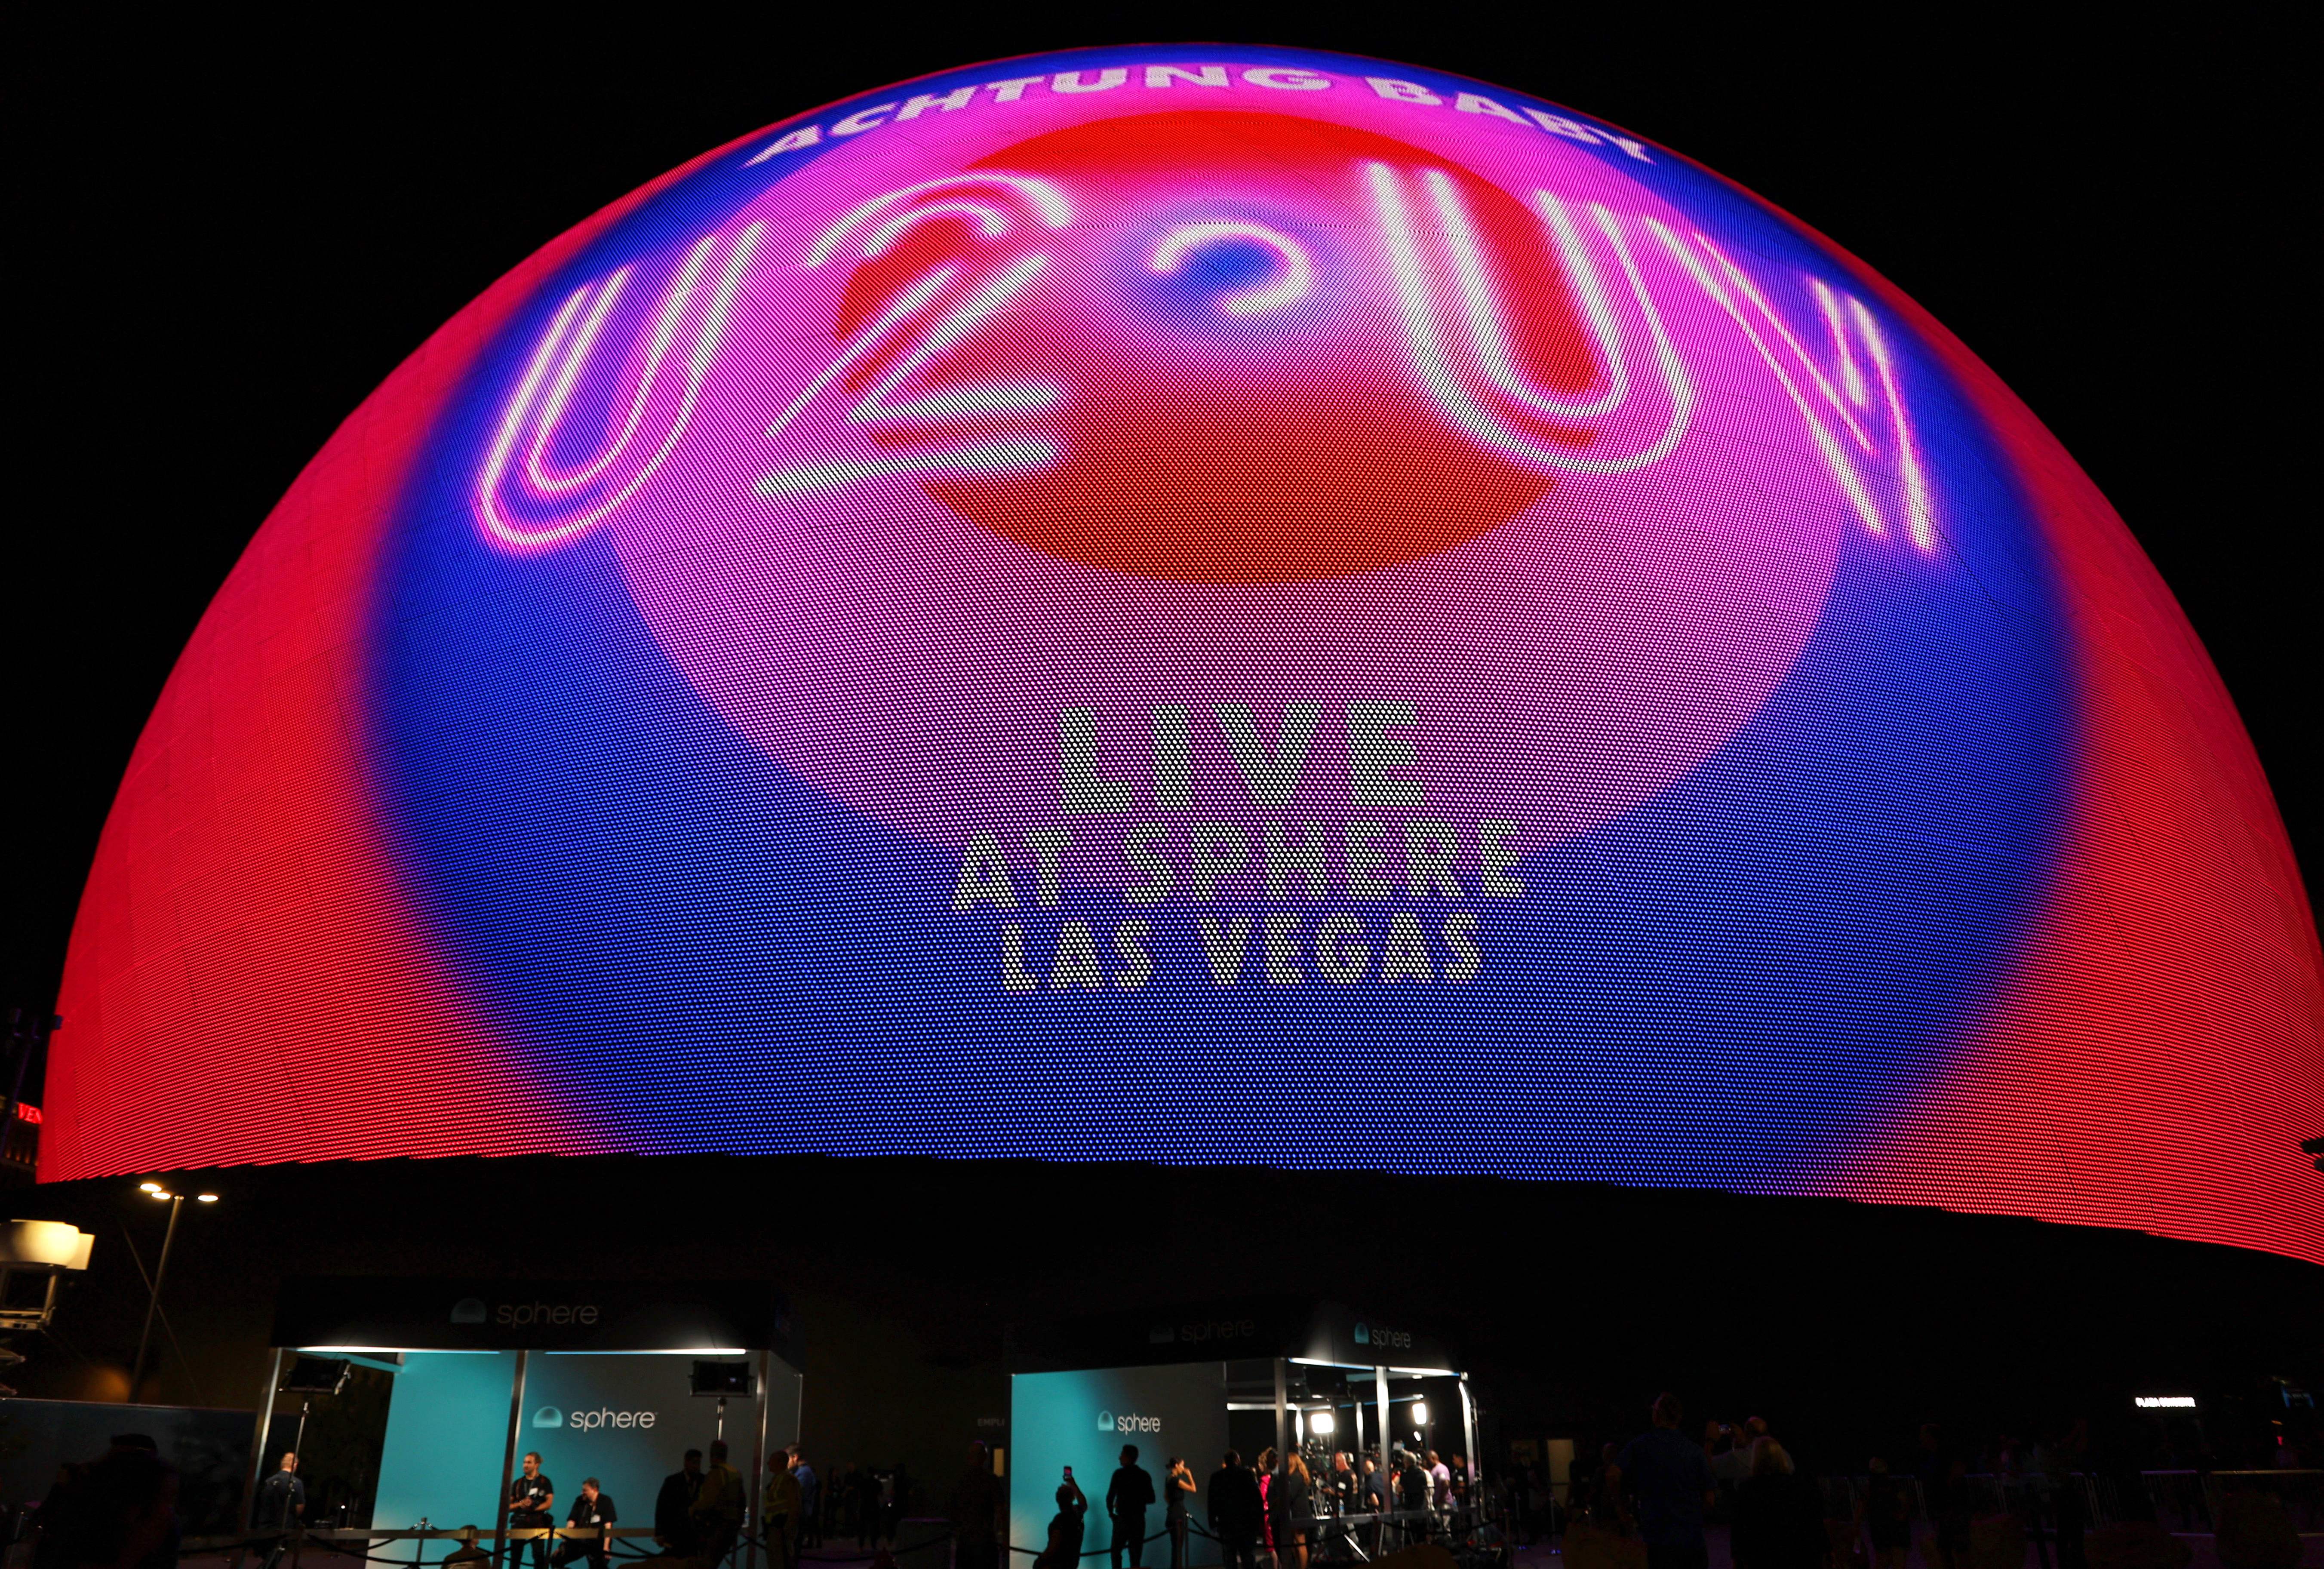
592,1511
674,1506
1412,1496
531,1495
1235,1512
282,1507
1127,1500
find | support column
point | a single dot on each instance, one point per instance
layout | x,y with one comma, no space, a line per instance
1282,1422
257,1441
759,1479
1476,1468
508,1461
1387,1424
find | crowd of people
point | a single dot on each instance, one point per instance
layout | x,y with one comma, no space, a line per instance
1667,1488
698,1514
1271,1510
1663,1491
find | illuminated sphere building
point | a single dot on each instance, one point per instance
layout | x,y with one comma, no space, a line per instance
1209,605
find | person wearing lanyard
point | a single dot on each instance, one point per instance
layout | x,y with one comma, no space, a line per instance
531,1498
592,1512
673,1524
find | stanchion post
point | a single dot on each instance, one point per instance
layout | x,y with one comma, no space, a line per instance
508,1462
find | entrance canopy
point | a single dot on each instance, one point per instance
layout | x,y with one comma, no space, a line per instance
610,1380
1300,1330
369,1314
1317,1378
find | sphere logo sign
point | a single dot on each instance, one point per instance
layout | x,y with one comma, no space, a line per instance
1093,607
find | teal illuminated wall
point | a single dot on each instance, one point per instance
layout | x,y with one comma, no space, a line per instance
1082,1419
624,1418
447,1424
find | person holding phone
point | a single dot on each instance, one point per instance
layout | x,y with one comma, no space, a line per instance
1063,1550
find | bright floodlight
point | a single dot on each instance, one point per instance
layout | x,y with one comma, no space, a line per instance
1420,1411
1322,1423
205,1198
149,1188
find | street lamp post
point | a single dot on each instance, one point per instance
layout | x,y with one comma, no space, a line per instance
153,1300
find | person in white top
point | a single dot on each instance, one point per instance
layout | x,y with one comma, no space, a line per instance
1731,1455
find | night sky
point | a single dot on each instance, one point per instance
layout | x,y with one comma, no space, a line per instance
222,238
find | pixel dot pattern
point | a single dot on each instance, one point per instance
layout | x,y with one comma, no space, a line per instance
1198,605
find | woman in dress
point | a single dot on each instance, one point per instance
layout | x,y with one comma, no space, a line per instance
1291,1505
1179,1496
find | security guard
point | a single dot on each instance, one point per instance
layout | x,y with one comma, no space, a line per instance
780,1514
718,1508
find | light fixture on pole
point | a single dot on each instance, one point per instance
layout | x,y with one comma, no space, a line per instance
722,1380
308,1377
175,1201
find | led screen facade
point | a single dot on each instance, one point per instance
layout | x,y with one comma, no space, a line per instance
1091,606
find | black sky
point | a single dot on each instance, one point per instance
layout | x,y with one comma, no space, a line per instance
223,236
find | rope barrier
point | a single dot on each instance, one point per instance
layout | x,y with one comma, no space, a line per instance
1094,1552
625,1543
